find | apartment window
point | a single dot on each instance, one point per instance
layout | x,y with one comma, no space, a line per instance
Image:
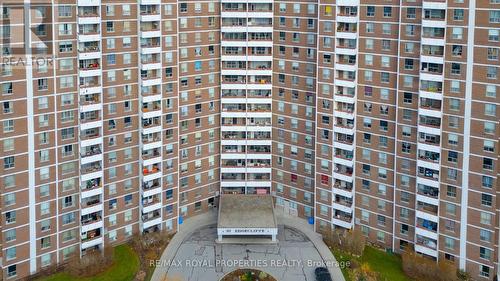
486,200
489,127
65,29
458,14
457,33
12,271
455,68
494,16
387,12
488,146
110,43
491,91
487,163
127,42
110,10
369,44
493,53
454,104
370,27
386,45
370,11
110,26
484,271
8,162
125,10
485,235
493,35
449,243
411,13
490,109
455,86
485,253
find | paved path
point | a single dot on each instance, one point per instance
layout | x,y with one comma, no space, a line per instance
193,255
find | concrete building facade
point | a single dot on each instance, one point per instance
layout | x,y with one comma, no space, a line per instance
133,116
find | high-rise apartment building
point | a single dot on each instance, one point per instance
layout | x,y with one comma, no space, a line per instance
372,114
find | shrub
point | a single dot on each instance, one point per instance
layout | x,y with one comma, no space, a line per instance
350,241
91,264
425,269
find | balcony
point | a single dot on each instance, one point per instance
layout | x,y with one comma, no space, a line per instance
234,7
434,14
233,135
151,138
259,108
260,51
150,45
346,75
151,169
343,138
151,184
428,191
91,150
91,201
433,32
426,242
89,82
227,107
259,93
151,122
91,184
260,7
346,11
259,80
90,134
259,135
151,200
260,36
347,186
430,121
232,177
91,235
258,149
428,156
428,173
151,216
343,170
258,177
91,218
429,139
91,168
345,59
347,27
346,43
347,155
429,50
342,200
430,104
427,225
427,208
343,216
88,117
152,153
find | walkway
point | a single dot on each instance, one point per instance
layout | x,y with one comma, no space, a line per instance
193,255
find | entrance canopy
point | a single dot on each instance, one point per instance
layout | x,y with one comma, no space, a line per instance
246,216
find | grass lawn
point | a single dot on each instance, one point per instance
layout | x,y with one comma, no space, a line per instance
124,268
389,266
